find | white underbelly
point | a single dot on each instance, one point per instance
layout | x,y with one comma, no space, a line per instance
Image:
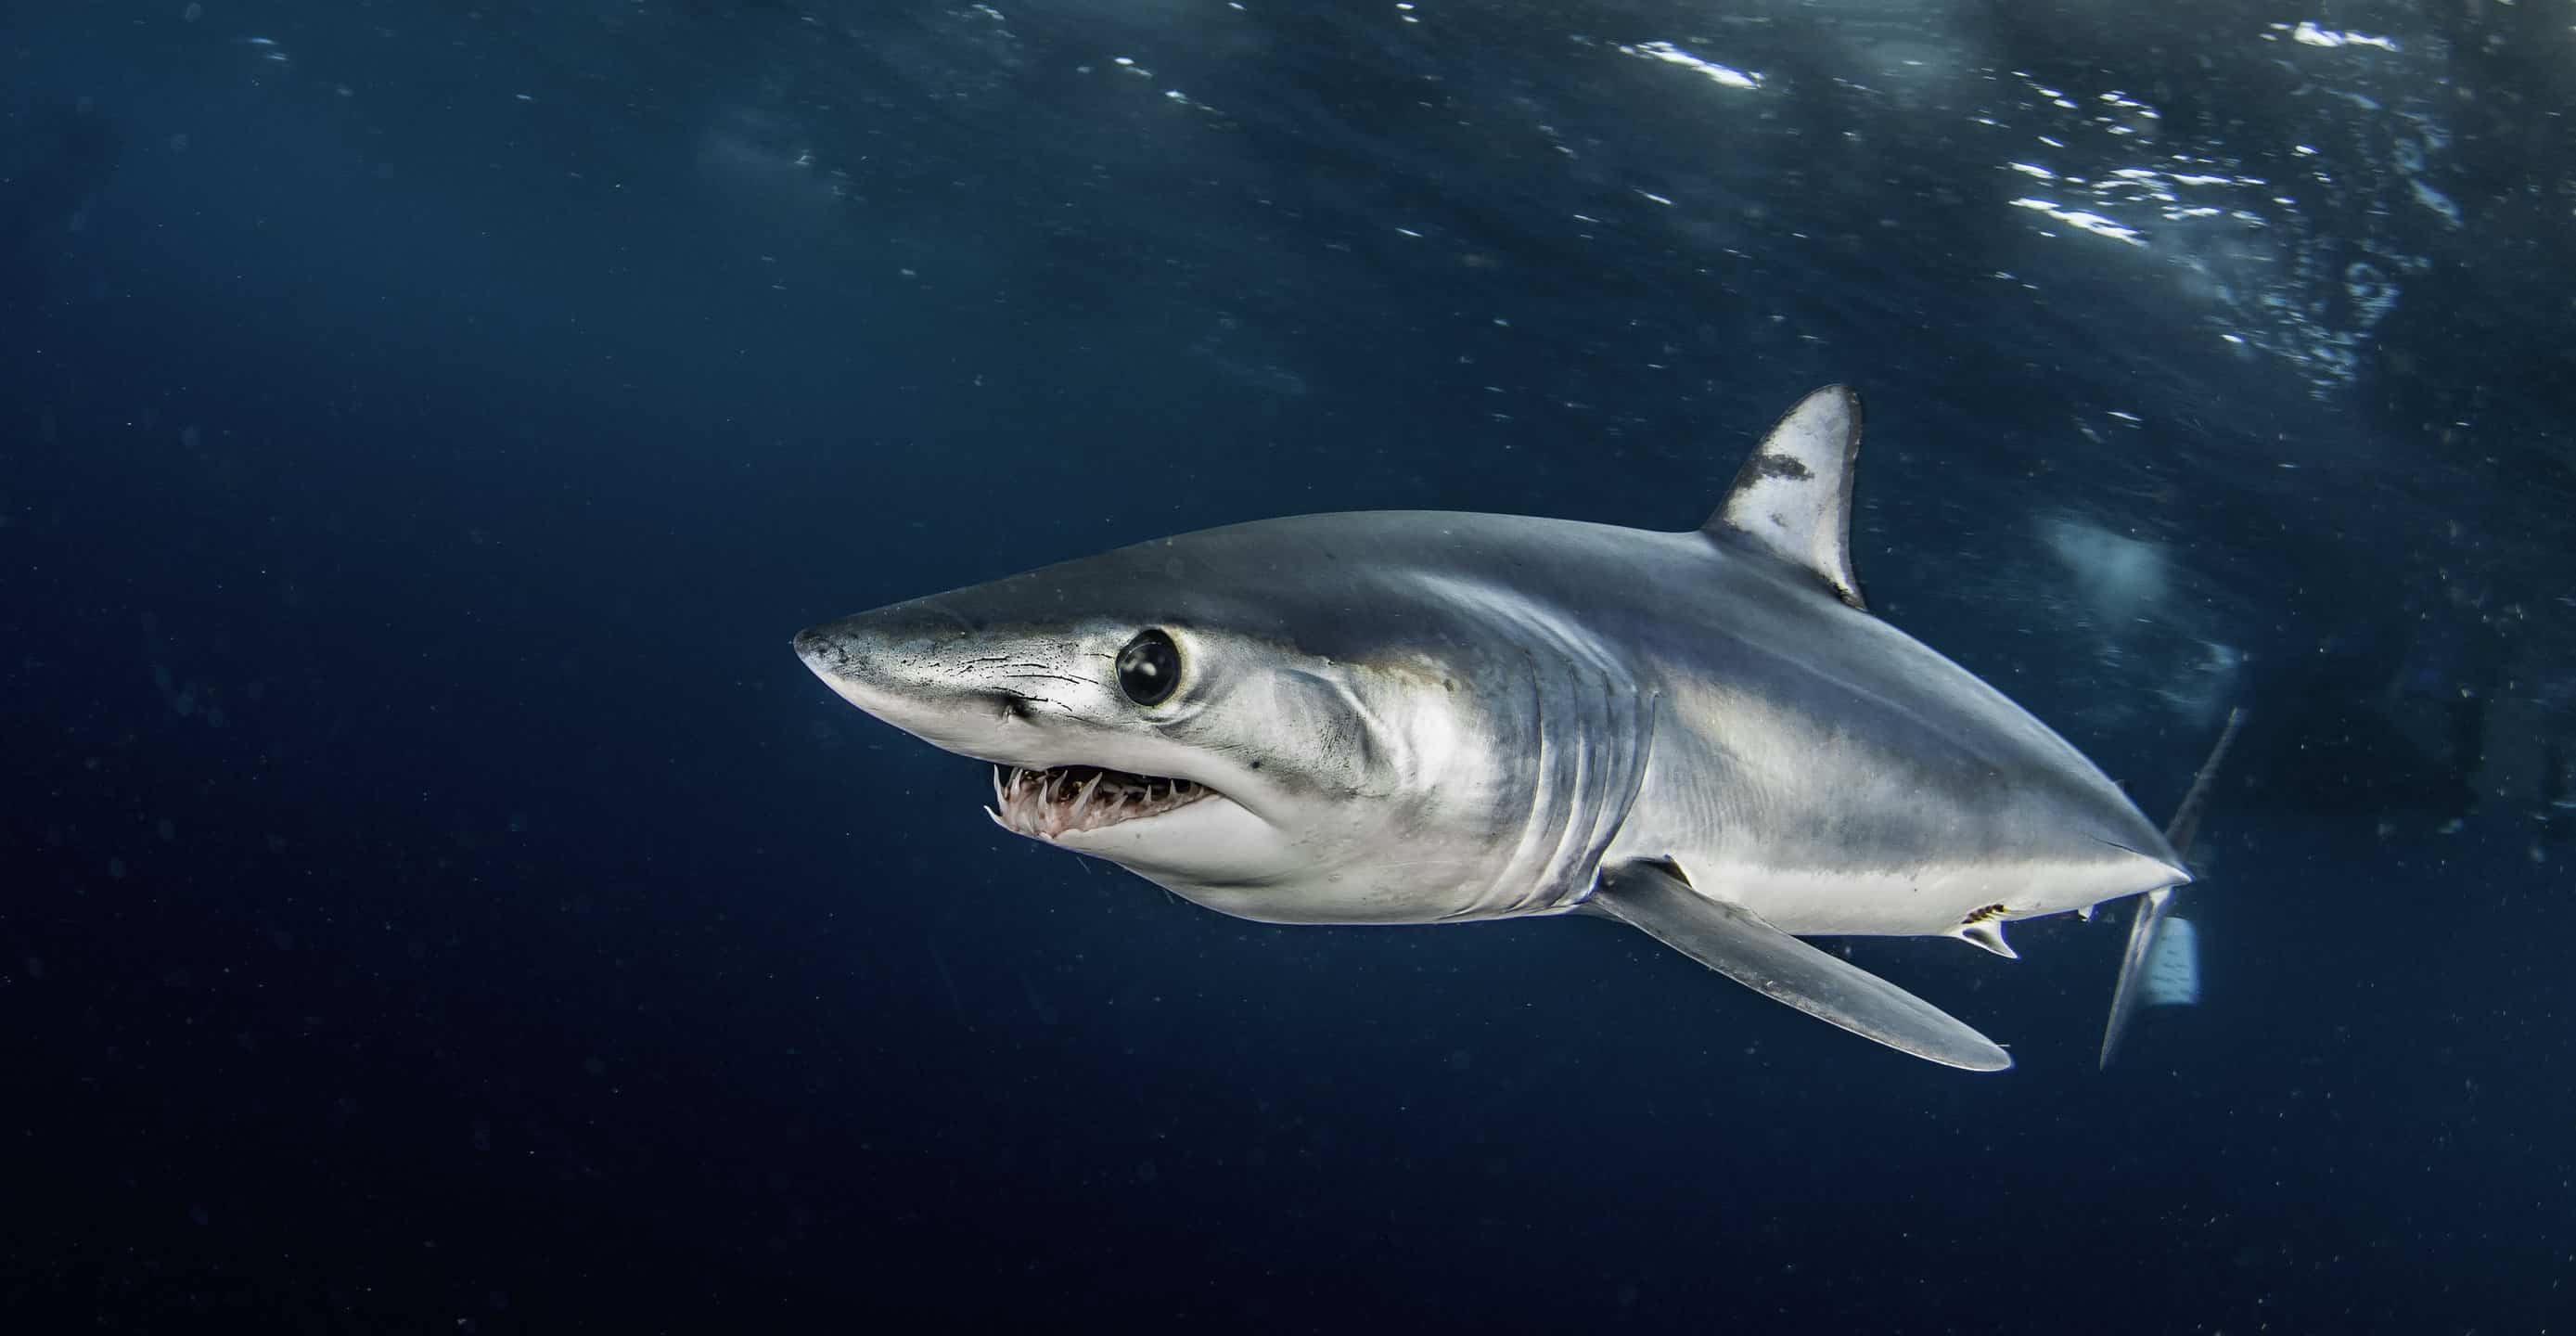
1928,902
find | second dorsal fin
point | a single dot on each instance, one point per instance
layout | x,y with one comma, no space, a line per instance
1792,499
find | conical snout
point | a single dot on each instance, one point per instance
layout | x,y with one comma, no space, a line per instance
920,666
832,647
887,647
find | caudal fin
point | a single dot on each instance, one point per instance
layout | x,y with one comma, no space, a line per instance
2162,962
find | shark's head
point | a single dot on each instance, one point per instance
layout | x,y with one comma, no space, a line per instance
1208,712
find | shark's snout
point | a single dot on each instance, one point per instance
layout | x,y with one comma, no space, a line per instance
875,646
819,647
864,658
929,670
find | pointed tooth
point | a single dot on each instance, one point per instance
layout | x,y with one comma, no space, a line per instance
1083,803
1000,799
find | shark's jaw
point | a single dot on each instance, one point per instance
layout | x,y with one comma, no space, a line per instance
1180,834
1074,800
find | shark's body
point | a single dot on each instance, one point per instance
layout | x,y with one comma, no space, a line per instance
1430,717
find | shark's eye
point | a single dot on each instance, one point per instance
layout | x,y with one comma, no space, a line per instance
1149,668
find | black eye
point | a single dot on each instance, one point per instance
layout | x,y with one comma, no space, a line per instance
1149,668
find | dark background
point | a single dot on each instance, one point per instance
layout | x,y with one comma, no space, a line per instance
432,897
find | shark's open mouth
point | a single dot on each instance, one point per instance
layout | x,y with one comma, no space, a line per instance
1049,803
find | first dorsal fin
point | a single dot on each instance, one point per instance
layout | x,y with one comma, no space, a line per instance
1792,499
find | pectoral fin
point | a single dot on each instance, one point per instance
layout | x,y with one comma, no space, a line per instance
1739,945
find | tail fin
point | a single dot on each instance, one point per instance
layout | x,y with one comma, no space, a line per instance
2162,963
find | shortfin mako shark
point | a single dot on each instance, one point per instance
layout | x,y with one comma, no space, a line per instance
1436,717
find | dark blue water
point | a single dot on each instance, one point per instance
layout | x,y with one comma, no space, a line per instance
436,899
